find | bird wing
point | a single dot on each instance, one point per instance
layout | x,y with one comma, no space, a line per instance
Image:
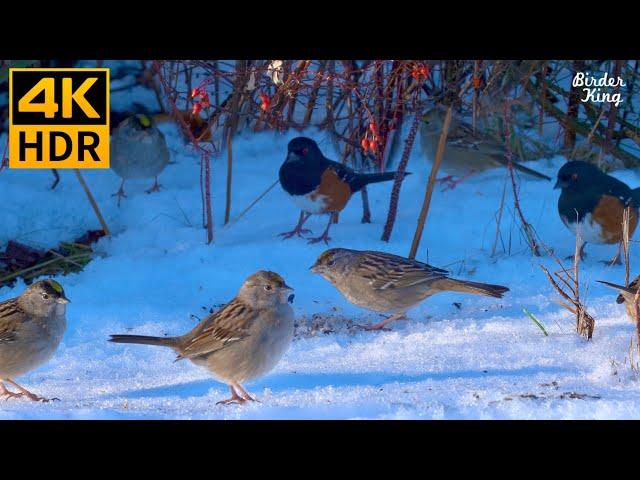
228,325
344,173
385,270
616,188
8,322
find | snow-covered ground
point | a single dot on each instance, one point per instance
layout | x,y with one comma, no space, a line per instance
482,359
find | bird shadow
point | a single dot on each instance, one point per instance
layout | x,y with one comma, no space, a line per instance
281,382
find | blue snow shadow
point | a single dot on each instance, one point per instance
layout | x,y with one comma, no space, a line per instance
287,381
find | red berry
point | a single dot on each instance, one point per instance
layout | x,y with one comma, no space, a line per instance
196,108
266,101
365,144
373,126
424,71
373,144
195,92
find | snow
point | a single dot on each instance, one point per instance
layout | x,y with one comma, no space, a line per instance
486,359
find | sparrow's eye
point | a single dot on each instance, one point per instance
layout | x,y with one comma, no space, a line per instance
45,295
574,177
331,263
268,287
304,151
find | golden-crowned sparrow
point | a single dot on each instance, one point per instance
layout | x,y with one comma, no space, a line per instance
627,295
138,150
388,283
243,340
466,152
31,328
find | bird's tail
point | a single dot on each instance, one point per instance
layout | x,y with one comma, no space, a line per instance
627,292
363,179
529,171
465,286
145,340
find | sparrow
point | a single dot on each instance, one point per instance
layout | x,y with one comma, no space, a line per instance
243,340
138,150
627,295
388,283
594,203
318,185
466,152
31,328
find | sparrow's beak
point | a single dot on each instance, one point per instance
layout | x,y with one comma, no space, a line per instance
63,300
287,288
314,268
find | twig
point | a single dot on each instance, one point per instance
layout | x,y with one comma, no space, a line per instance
253,203
527,228
432,180
227,210
625,243
402,167
499,219
92,200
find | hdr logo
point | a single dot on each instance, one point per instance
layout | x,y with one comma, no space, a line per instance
59,118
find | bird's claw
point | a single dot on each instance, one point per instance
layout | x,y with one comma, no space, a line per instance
296,232
322,238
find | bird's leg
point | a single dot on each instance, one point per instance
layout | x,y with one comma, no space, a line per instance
31,396
325,235
6,393
244,393
155,187
452,181
298,230
235,398
615,260
381,325
583,254
120,193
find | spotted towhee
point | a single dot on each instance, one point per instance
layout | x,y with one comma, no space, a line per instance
595,202
319,185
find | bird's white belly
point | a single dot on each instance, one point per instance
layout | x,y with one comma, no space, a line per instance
317,204
590,230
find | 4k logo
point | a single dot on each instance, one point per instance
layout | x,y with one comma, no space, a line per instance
59,118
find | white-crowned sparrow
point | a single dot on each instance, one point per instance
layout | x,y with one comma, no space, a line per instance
31,328
466,152
138,150
243,340
388,283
